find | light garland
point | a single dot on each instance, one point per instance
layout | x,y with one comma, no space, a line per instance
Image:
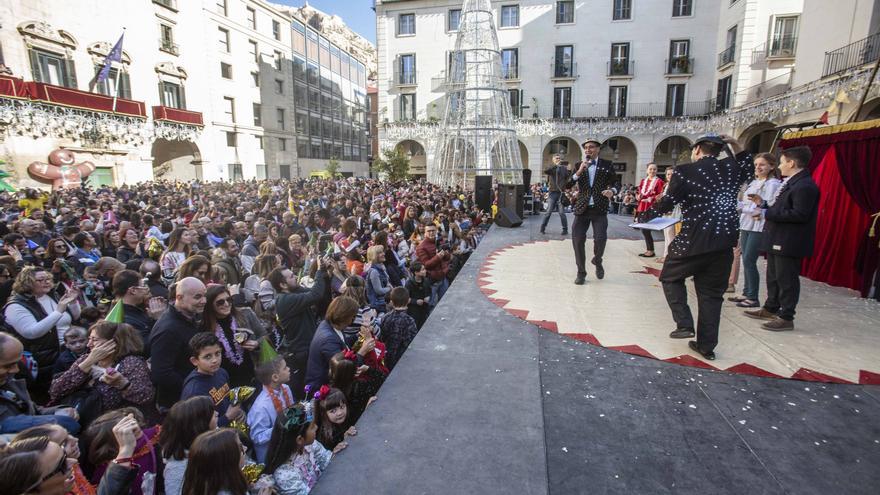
41,120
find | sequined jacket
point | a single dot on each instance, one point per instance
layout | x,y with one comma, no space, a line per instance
707,191
602,181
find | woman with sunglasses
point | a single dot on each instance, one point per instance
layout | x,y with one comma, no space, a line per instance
238,330
70,444
35,465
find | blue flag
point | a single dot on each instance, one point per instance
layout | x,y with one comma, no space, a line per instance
115,55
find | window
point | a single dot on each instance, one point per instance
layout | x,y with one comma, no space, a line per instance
229,108
235,172
407,69
279,86
455,68
722,96
254,51
276,29
682,8
406,24
166,39
565,12
300,96
561,103
299,69
277,60
408,107
509,16
726,57
224,39
617,101
453,19
674,100
259,141
252,18
53,69
619,60
258,117
255,79
231,139
225,70
563,65
282,144
515,96
284,171
171,95
622,10
509,63
679,57
301,124
279,116
784,38
261,171
109,87
221,7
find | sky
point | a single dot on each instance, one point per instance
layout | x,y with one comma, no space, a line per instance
357,14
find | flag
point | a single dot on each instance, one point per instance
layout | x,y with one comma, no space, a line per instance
116,314
115,55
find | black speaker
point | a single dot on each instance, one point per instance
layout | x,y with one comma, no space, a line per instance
527,178
483,192
506,217
511,196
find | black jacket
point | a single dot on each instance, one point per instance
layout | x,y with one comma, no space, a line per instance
790,226
602,181
297,316
138,318
169,351
557,176
707,192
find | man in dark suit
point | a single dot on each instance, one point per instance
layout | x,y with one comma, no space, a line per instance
706,189
594,178
789,231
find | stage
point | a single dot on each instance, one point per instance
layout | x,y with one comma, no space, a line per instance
485,401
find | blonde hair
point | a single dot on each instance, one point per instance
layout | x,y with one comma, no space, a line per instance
264,264
373,253
24,282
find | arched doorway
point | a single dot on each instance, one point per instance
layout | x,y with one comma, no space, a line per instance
622,153
759,138
672,151
566,146
523,154
179,160
870,111
418,161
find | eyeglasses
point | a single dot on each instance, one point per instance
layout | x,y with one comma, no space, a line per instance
61,468
42,279
222,302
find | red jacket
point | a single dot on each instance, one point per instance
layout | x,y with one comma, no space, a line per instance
436,265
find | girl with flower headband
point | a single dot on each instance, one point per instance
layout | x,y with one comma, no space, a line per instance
295,460
331,416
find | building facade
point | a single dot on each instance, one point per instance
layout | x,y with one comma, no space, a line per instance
645,78
206,90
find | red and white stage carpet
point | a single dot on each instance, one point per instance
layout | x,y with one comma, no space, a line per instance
836,336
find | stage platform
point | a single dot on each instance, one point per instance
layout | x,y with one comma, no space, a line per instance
486,402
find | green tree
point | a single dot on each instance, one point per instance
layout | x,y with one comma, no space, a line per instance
333,167
393,163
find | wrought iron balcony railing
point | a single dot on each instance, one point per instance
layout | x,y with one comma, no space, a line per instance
679,66
726,57
782,46
864,51
621,68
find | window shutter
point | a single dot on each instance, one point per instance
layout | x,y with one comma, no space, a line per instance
70,73
182,97
162,94
125,86
35,65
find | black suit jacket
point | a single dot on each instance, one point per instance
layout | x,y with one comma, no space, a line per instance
790,226
602,181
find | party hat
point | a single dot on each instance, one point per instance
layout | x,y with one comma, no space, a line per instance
116,314
267,353
32,245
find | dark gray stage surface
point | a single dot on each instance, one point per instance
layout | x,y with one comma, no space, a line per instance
483,402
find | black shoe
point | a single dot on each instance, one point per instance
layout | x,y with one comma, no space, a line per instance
707,355
682,333
600,271
564,232
580,280
542,232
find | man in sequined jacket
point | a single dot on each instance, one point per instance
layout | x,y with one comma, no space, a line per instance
707,191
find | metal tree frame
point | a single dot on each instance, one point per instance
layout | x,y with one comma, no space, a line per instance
478,132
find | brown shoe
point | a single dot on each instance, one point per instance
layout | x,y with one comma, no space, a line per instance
730,288
760,314
778,325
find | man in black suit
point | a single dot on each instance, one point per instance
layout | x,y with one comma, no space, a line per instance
594,178
706,189
789,231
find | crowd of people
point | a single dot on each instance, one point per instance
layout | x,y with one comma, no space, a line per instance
210,338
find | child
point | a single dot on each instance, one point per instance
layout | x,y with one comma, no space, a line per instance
215,461
419,288
294,459
103,448
331,414
358,385
186,420
272,400
75,340
209,378
398,327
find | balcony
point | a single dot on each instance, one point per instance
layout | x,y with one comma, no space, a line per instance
563,70
679,66
510,72
169,46
177,116
13,87
630,110
168,4
782,46
725,58
857,54
69,97
621,68
404,78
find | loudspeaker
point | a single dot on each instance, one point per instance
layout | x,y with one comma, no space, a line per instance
506,217
527,178
511,196
483,192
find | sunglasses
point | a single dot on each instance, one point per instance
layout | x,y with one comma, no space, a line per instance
222,302
62,468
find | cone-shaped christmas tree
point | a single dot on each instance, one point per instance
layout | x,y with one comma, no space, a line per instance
116,314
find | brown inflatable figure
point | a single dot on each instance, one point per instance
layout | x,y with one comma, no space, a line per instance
62,170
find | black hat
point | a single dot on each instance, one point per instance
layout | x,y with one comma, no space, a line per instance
709,138
591,141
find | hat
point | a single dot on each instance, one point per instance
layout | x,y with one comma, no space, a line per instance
591,141
709,138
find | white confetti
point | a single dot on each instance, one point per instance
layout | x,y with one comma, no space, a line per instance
792,404
692,406
565,449
742,421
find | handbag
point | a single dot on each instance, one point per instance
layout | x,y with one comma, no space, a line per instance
563,199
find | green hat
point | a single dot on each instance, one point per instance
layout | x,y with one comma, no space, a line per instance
116,315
